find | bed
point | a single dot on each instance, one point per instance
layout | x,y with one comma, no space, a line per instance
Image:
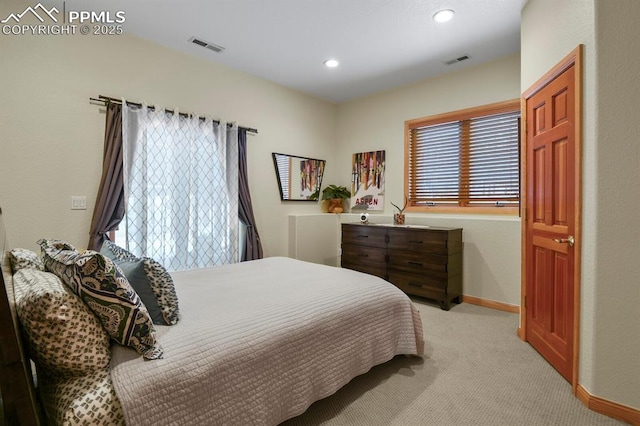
257,343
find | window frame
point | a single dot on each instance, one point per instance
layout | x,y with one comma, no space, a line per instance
459,115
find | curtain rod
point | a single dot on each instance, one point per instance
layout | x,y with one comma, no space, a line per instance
109,99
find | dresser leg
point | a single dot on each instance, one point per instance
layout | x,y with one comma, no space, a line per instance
445,305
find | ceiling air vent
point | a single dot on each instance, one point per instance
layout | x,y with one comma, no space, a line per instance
206,44
456,60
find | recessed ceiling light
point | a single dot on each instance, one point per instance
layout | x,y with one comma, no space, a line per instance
443,15
331,63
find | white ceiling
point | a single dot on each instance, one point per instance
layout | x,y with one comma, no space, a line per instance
381,44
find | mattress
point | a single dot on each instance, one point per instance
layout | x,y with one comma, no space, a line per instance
260,341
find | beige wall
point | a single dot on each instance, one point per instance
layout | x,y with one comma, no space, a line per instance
610,288
616,320
52,136
492,243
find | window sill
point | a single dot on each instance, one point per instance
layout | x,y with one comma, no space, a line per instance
510,211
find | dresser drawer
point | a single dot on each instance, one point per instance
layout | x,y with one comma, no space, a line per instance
431,288
377,270
353,253
425,241
410,280
436,265
370,236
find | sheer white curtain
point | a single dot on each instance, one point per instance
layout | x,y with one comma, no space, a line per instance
181,188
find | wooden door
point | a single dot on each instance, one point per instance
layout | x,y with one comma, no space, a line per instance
551,217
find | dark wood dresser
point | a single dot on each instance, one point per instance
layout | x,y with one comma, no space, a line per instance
420,260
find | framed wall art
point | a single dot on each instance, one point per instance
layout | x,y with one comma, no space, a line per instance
367,181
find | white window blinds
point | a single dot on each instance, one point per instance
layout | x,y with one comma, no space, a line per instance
283,163
469,162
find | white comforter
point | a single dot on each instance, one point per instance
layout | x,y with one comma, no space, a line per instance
260,341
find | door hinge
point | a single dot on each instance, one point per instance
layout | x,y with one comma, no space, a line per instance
525,302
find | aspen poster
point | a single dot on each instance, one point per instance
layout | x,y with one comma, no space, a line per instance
367,181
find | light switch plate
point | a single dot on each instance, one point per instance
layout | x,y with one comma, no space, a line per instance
78,202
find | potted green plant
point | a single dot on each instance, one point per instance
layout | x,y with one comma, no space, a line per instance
335,195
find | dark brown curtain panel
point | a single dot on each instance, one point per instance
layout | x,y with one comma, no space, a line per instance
109,207
252,247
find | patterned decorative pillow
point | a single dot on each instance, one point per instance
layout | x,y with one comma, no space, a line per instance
88,399
62,333
111,248
110,296
158,278
103,287
164,289
58,257
22,258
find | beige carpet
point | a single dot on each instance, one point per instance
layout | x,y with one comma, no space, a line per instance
476,372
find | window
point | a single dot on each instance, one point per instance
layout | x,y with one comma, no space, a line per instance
465,161
283,165
181,187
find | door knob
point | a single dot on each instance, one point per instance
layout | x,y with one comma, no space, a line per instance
569,240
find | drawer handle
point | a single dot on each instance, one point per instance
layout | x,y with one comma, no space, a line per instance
363,255
415,263
363,236
415,284
415,242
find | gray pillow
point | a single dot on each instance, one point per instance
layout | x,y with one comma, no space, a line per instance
152,282
135,273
